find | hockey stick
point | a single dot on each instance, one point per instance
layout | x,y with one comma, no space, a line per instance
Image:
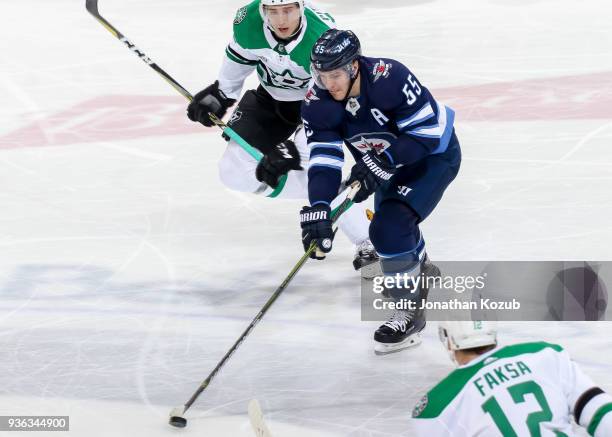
257,420
92,8
177,418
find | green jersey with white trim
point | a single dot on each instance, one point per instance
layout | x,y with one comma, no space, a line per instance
529,389
283,69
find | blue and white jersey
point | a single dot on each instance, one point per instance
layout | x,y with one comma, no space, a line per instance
394,115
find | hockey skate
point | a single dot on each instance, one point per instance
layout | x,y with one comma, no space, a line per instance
367,260
403,330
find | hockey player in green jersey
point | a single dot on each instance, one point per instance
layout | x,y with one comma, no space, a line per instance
274,38
520,390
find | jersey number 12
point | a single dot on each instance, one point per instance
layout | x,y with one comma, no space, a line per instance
518,393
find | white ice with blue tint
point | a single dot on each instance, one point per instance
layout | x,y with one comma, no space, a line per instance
127,270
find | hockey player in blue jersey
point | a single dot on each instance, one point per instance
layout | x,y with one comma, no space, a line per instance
406,153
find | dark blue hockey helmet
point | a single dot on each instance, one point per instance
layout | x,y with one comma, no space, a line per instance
335,49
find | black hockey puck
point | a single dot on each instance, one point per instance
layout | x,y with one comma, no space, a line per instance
178,421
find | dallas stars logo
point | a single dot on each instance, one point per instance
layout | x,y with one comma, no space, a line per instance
240,15
286,79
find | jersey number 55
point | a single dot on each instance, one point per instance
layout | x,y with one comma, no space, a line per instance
410,93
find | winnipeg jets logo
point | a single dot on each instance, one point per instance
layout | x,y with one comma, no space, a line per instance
353,106
377,141
376,144
381,70
311,96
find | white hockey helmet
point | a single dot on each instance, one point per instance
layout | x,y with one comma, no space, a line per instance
263,3
466,335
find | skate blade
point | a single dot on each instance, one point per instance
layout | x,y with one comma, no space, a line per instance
389,348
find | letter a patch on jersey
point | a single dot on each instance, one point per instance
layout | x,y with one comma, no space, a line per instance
420,406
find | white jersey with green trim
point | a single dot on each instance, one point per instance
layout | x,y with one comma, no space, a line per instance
283,69
529,389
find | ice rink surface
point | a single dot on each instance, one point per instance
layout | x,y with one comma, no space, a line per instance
127,270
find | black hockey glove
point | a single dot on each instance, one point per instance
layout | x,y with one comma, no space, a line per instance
282,158
210,99
317,226
372,170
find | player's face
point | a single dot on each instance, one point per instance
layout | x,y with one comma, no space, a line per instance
337,82
284,20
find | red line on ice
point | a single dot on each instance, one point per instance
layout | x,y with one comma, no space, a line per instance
106,118
127,117
562,98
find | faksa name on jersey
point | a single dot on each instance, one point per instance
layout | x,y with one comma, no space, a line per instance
527,389
283,69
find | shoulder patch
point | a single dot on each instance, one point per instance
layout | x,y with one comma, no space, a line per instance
381,69
311,96
420,406
248,28
240,15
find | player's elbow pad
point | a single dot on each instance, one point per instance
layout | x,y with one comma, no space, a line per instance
593,411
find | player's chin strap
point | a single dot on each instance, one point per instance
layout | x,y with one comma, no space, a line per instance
354,78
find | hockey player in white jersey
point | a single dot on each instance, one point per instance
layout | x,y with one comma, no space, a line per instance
520,390
274,38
